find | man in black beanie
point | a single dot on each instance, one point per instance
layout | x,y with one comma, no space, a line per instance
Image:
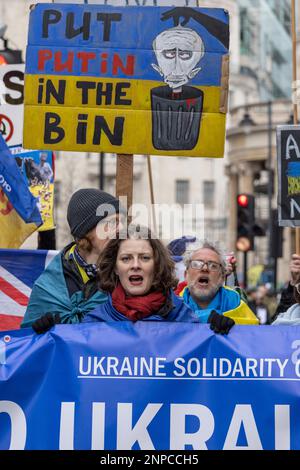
67,289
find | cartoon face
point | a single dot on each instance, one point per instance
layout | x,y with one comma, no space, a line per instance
178,50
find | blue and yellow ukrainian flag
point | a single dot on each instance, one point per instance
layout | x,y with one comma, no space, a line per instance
293,176
19,214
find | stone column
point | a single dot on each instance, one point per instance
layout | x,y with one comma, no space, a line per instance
245,183
232,174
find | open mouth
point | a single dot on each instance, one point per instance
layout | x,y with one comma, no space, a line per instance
203,281
136,280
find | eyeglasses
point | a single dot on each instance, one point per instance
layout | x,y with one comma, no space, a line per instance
199,264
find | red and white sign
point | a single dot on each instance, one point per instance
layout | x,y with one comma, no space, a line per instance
12,103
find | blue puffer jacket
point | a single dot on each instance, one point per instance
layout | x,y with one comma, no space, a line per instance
179,312
50,295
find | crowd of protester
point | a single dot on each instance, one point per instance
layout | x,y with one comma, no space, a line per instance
115,272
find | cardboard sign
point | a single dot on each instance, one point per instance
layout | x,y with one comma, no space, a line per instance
127,79
288,157
11,103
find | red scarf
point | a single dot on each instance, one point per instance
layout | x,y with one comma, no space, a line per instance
137,307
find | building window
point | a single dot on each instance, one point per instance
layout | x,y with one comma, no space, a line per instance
208,193
182,191
246,33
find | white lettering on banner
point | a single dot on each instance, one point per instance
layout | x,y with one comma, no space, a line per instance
5,184
67,419
128,435
282,427
179,438
194,368
66,434
111,366
18,424
98,431
243,415
223,367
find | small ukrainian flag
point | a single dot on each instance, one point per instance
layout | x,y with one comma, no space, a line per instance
293,174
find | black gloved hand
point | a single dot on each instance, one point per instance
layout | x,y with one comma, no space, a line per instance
220,323
44,323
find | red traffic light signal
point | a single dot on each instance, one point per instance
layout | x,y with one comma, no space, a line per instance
243,200
245,222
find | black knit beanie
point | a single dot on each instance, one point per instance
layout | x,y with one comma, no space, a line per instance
84,206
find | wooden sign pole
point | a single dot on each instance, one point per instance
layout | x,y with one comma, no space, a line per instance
294,42
151,193
295,109
124,177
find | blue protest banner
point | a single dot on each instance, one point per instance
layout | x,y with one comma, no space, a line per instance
150,386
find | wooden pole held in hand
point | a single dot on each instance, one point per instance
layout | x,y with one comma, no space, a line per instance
124,178
295,108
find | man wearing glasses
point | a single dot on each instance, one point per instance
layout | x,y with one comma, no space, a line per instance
206,294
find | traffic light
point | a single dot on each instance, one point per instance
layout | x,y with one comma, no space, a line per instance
245,222
10,56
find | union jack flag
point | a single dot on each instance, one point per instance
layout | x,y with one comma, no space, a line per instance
18,271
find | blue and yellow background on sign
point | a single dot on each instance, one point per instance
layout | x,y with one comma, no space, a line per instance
94,81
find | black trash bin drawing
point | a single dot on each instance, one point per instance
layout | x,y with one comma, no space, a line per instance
176,122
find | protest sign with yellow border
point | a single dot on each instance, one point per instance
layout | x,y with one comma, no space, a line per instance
127,79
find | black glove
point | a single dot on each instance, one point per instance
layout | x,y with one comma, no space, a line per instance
220,323
44,323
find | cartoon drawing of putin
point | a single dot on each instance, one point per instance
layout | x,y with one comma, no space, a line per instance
177,107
